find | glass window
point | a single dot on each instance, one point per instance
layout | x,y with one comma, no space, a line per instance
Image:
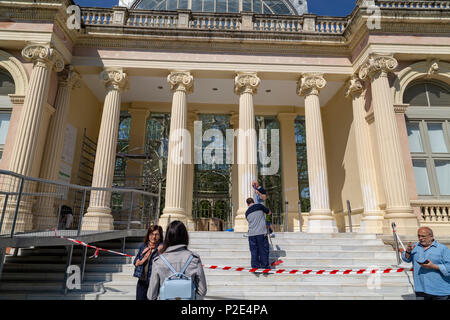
427,94
421,175
415,141
443,176
257,6
437,139
208,6
4,125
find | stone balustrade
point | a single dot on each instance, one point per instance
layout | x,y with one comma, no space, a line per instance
414,4
433,210
246,21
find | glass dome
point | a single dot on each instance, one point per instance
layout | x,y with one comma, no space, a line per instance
296,7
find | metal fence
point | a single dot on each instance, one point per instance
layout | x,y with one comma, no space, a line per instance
32,205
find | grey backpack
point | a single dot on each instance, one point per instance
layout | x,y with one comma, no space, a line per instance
178,286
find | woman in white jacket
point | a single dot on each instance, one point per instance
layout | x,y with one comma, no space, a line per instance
176,253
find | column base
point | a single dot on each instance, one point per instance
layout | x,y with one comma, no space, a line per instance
405,220
240,222
321,224
98,219
173,214
293,225
373,222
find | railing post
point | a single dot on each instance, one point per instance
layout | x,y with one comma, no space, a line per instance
2,260
131,211
184,16
4,211
286,208
396,243
309,22
120,16
19,197
247,21
300,215
83,200
349,208
68,263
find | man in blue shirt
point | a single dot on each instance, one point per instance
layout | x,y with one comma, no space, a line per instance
257,234
431,263
260,197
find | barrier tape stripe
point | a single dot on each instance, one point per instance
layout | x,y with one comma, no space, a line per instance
308,272
254,270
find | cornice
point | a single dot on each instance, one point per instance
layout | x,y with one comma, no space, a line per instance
432,21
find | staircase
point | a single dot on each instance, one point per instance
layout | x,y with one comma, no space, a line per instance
38,273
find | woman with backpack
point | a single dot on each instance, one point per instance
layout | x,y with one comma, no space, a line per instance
143,262
177,272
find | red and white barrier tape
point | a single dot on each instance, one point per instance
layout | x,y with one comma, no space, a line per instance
97,249
255,270
308,272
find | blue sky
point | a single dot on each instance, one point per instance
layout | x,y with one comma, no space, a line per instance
319,7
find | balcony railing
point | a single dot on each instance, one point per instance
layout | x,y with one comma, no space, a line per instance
185,19
436,211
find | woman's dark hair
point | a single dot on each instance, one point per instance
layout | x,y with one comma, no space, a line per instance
152,229
66,210
176,234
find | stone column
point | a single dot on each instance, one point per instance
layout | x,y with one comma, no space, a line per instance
191,117
98,216
373,217
320,218
182,83
45,59
246,85
398,206
289,168
45,214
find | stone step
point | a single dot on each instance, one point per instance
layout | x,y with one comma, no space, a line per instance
204,249
216,288
219,260
215,276
242,253
241,296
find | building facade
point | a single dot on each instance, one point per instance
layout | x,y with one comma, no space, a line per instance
361,104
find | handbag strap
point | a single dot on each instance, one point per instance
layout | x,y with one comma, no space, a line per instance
172,269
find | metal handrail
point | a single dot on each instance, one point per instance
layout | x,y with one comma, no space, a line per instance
75,186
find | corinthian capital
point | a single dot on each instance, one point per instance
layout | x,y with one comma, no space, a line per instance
378,64
310,84
246,82
114,79
354,87
69,78
43,55
181,81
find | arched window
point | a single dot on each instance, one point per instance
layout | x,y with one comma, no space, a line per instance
427,94
428,125
6,87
